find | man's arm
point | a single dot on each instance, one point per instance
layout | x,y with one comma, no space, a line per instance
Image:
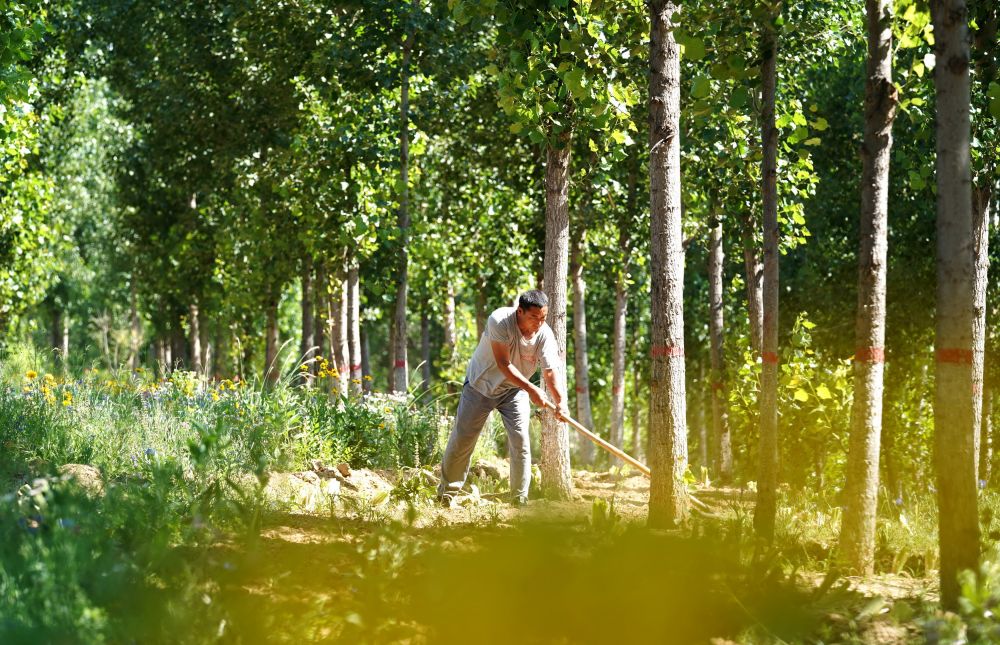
502,355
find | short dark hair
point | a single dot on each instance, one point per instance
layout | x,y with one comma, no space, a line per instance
533,298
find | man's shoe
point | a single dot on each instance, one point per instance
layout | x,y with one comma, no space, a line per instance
445,500
519,500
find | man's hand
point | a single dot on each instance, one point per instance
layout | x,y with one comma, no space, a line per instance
538,397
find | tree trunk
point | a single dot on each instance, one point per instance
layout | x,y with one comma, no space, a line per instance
400,380
618,362
668,503
425,352
619,324
195,331
321,314
366,367
481,310
986,445
556,480
700,419
580,364
767,478
272,371
981,202
719,384
306,347
135,327
955,421
638,449
338,334
754,269
450,342
354,327
206,346
857,532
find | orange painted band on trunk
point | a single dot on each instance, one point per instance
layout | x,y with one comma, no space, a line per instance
717,385
581,390
954,355
769,357
616,389
870,355
400,363
672,351
355,368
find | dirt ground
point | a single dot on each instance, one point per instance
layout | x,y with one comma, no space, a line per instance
310,543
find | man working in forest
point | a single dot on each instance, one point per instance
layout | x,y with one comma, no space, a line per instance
515,342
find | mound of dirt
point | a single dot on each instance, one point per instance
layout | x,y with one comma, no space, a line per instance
87,477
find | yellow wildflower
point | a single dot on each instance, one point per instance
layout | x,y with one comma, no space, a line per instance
368,377
49,379
30,375
381,426
215,395
356,381
303,367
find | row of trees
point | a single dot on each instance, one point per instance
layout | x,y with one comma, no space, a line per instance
217,177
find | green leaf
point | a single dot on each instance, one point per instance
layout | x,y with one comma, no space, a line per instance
700,87
814,141
995,108
574,81
820,124
694,48
798,219
823,392
801,395
739,97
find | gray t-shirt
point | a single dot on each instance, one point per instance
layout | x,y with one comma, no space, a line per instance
525,353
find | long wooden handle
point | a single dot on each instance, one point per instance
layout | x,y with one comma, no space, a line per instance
641,467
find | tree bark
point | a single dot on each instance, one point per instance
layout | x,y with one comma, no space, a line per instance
580,364
718,381
321,314
981,203
338,336
556,480
449,343
400,381
618,362
987,20
668,503
481,310
619,325
638,448
354,327
857,532
754,270
955,421
767,478
366,367
135,328
425,351
986,444
307,345
194,329
272,371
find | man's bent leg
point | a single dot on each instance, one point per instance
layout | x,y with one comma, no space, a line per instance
473,410
515,409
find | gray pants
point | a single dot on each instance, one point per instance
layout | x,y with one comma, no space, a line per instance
473,410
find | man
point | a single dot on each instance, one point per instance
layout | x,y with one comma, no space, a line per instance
517,340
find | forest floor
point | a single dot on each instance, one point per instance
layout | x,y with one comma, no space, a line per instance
346,570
